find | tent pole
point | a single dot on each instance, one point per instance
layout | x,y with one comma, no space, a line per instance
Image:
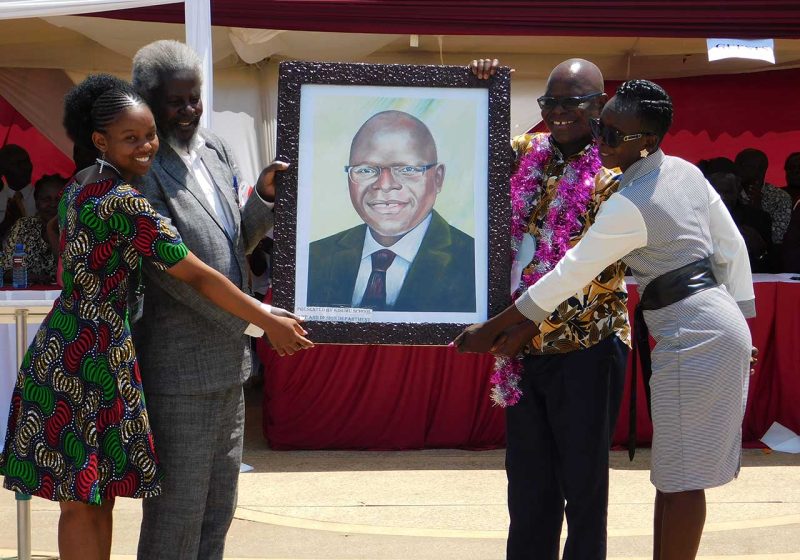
23,500
197,15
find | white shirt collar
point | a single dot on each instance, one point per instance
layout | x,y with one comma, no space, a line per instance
406,247
25,191
198,168
189,153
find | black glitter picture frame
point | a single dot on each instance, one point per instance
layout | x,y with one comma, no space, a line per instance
341,323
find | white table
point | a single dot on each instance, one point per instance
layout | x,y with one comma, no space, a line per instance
21,313
16,306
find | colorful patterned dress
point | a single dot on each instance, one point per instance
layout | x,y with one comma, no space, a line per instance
78,429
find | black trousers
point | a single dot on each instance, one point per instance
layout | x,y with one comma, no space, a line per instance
558,439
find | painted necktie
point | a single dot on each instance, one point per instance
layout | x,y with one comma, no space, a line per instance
375,294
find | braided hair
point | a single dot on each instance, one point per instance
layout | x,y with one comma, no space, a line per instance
94,104
649,101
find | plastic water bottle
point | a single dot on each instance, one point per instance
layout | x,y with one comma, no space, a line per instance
19,268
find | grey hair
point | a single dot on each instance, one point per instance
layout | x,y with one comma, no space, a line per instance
158,61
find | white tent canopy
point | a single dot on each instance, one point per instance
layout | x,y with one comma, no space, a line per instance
245,65
15,9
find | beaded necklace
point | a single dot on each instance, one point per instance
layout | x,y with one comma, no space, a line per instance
570,201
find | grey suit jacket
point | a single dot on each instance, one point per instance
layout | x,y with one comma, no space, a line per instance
186,344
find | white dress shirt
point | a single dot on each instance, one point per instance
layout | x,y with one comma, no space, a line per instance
27,200
198,169
405,250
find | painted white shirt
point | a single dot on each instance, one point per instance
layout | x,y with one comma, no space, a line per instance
405,250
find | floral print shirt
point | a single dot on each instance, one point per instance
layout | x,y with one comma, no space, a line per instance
600,310
776,202
39,256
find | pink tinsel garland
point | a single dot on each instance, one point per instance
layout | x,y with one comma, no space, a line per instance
574,191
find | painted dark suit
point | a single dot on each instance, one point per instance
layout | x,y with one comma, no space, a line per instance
441,277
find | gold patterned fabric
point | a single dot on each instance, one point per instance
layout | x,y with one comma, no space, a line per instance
600,310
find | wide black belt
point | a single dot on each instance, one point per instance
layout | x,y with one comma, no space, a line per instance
665,290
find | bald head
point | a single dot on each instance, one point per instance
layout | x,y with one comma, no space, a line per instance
394,174
405,131
753,165
574,95
578,72
752,156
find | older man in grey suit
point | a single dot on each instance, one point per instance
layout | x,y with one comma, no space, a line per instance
194,356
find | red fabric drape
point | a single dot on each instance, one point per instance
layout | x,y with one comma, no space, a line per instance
629,18
723,114
775,389
46,158
372,397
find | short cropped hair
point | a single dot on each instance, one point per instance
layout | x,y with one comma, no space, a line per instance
158,61
720,165
54,179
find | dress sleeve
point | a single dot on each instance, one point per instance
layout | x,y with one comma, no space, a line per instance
618,229
731,263
149,233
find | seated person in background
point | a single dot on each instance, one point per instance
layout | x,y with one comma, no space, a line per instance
754,224
31,231
790,257
792,169
16,199
752,165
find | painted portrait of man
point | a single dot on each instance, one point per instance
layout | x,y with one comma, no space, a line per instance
405,256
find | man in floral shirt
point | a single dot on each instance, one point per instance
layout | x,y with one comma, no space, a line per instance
563,387
774,201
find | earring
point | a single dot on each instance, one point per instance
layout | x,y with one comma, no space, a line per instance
644,153
102,161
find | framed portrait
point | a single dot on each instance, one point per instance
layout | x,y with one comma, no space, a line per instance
392,223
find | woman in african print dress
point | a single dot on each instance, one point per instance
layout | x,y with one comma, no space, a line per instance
78,430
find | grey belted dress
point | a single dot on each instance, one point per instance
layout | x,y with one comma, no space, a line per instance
665,215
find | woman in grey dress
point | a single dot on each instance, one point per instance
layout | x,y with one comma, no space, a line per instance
683,248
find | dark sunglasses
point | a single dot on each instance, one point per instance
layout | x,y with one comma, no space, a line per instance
547,102
610,136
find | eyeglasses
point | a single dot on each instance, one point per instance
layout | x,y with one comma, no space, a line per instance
547,102
367,174
610,136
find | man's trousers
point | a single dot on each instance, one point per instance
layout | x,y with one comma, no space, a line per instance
558,440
